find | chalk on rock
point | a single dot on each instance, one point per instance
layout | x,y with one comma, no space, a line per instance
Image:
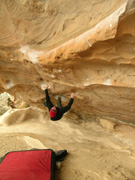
9,84
59,70
52,75
43,85
110,25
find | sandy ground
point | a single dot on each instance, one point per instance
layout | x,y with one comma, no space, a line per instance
94,152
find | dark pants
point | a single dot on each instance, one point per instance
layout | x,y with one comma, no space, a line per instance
59,102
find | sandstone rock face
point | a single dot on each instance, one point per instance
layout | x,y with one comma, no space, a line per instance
86,47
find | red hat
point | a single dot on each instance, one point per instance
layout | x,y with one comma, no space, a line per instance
52,113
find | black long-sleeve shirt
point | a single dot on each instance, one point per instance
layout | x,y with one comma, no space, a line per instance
60,111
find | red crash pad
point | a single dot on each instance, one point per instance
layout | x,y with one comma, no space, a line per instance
28,165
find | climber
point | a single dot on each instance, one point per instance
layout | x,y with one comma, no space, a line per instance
56,113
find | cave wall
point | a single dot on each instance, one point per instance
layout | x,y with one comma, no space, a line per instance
75,46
